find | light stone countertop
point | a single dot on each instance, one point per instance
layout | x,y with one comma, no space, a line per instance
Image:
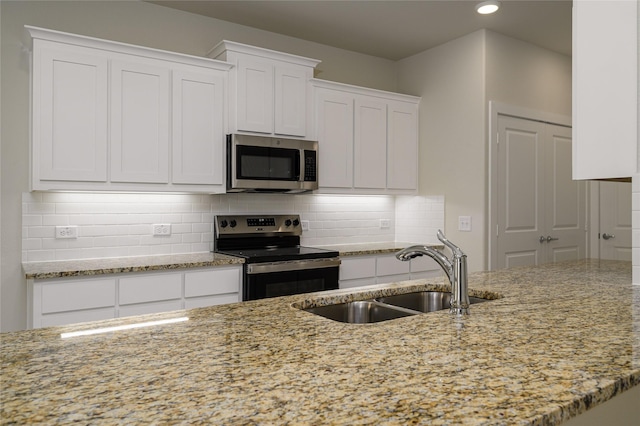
363,249
563,338
72,268
115,265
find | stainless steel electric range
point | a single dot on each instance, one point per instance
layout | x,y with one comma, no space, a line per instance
275,262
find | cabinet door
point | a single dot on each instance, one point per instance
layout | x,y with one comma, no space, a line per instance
605,78
390,269
402,146
254,93
143,288
69,114
139,122
67,301
77,294
335,138
198,130
212,287
370,143
291,100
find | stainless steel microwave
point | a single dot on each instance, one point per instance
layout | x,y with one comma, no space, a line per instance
270,164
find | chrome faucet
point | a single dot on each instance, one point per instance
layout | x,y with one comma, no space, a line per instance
456,270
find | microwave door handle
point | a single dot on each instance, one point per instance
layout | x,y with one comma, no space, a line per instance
299,165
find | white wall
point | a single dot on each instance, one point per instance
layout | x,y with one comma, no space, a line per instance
450,79
524,75
456,81
130,22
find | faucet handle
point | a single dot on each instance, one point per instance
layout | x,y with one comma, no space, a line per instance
454,248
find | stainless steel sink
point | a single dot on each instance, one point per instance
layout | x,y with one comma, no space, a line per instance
360,312
424,301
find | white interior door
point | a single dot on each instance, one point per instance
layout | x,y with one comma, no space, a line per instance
615,220
541,210
565,199
520,192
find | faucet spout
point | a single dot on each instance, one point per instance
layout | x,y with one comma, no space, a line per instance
455,269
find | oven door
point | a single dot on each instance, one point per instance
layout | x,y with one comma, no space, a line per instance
273,279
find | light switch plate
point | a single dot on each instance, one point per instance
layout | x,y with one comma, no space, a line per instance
464,223
305,225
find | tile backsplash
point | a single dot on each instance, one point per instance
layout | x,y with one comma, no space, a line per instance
117,225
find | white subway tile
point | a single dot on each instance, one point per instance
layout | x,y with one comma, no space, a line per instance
32,244
41,255
40,232
41,208
33,220
182,228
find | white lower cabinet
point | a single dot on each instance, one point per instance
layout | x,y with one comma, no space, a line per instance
60,301
389,269
356,271
148,294
198,291
66,301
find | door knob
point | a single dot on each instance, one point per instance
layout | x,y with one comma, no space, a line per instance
608,236
548,239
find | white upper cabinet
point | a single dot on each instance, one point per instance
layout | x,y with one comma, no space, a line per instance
139,121
269,90
70,99
367,140
198,117
334,123
605,98
370,143
402,126
111,116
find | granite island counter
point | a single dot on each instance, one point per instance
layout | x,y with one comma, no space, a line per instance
561,339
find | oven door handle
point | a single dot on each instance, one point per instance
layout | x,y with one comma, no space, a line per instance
292,265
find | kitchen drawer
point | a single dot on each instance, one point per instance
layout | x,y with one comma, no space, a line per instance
150,308
70,295
149,288
219,299
64,318
212,282
389,265
358,267
423,264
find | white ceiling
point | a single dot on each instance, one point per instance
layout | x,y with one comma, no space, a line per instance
393,29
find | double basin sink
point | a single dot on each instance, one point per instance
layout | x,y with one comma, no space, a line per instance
388,307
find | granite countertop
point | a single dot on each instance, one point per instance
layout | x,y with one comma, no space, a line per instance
71,268
362,249
562,338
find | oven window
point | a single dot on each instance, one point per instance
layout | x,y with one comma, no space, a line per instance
264,163
260,286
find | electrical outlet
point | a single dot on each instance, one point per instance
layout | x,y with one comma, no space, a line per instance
464,223
162,229
385,223
305,225
66,231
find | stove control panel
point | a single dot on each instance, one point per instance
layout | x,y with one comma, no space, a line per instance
288,224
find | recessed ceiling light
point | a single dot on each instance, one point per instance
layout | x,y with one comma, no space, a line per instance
487,7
